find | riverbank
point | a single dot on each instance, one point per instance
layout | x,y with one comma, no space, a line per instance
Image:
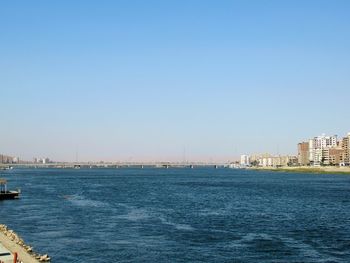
307,169
10,240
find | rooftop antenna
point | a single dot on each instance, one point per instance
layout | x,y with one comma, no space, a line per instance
76,155
235,152
184,156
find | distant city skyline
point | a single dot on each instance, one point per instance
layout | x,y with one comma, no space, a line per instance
171,80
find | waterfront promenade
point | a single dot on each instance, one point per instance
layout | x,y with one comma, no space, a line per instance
307,169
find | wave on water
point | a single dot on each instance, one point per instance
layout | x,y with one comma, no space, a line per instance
135,214
80,200
176,225
212,212
256,236
282,243
139,214
41,187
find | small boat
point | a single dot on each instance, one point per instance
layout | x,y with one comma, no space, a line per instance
6,168
5,194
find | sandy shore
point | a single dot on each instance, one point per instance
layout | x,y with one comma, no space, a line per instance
14,243
308,169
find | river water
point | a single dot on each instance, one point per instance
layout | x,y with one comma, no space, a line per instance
180,215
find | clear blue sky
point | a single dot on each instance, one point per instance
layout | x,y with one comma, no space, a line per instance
146,80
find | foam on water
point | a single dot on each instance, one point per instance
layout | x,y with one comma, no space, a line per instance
212,212
80,200
178,226
135,214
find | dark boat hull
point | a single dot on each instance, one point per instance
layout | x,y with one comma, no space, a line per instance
9,195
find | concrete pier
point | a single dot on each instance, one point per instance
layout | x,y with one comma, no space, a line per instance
11,241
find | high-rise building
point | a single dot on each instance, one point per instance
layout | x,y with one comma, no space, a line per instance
303,153
345,158
317,145
334,156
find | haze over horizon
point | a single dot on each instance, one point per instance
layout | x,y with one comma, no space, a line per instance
171,80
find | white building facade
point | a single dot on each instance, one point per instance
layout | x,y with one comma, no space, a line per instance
318,144
245,160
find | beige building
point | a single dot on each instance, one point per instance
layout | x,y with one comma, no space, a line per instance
345,158
278,161
330,155
303,153
335,156
256,157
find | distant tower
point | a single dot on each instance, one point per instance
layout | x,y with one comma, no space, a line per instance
76,154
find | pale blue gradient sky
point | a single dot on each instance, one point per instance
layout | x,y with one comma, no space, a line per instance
146,80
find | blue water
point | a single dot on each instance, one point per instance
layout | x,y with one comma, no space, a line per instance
181,215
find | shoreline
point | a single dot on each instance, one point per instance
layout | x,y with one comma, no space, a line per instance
306,169
11,241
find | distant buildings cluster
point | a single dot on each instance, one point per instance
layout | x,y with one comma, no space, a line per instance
5,159
317,151
268,160
42,160
325,150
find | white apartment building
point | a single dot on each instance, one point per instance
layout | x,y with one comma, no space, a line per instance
319,143
245,160
278,161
